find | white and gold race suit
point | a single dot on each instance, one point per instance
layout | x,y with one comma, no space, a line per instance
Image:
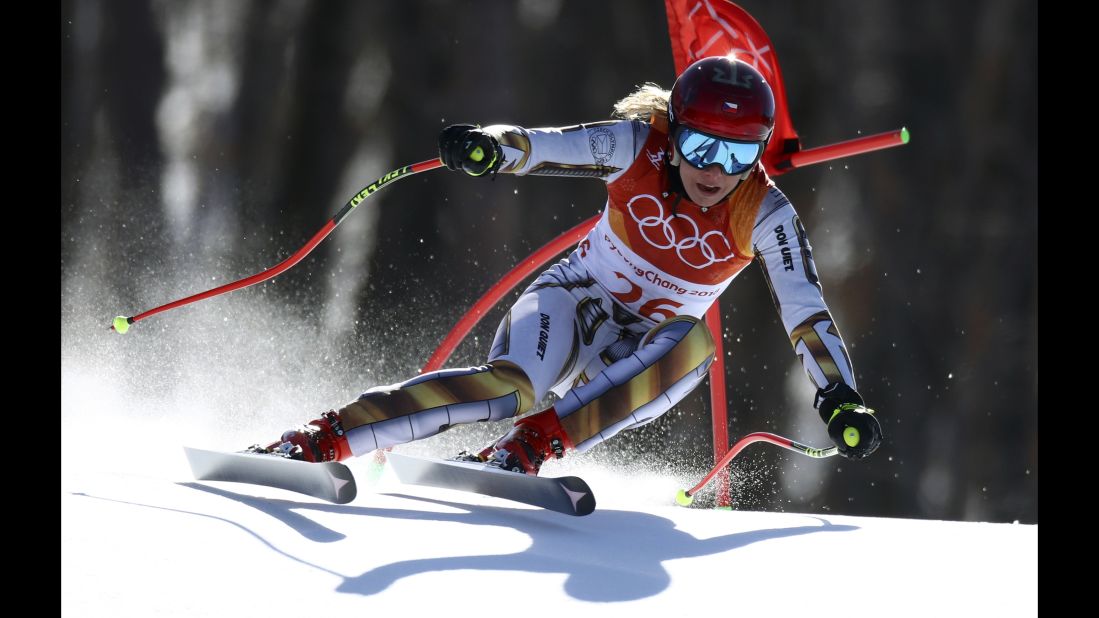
614,329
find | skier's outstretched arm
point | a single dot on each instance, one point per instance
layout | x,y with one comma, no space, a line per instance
783,251
595,150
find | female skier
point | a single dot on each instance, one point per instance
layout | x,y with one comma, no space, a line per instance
614,329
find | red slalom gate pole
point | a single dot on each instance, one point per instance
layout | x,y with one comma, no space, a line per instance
719,408
847,148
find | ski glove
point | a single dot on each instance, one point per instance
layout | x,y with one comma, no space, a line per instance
467,148
852,427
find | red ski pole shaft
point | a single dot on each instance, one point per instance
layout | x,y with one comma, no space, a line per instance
684,497
122,324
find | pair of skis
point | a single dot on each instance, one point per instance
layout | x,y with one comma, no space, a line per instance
334,482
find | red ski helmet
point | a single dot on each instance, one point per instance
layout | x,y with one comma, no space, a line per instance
724,97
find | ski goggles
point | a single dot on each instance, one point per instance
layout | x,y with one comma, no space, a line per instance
701,151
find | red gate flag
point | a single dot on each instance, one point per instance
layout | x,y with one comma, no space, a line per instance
704,28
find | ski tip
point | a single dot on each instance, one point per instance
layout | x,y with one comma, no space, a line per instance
586,505
329,481
346,493
583,500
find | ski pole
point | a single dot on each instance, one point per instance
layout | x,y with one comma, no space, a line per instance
121,324
685,497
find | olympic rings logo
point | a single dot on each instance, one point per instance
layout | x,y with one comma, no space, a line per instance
699,252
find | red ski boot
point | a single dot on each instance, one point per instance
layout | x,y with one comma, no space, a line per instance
321,440
530,442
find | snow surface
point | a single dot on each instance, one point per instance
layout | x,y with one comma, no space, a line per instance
140,537
146,540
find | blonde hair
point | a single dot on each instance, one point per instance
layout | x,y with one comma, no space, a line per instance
647,101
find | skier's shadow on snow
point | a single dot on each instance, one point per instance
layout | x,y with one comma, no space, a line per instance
608,556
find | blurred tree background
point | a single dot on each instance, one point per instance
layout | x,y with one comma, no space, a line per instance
217,136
